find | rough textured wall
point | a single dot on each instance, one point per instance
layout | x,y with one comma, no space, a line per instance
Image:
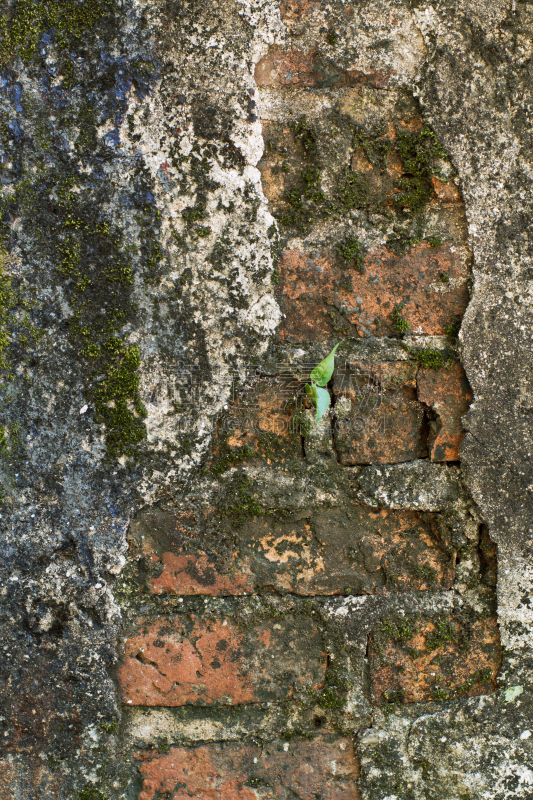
205,594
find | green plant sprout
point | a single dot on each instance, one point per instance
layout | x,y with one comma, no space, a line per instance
319,378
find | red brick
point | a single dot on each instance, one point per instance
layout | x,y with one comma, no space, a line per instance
310,69
196,573
175,661
427,659
448,393
325,768
379,418
314,287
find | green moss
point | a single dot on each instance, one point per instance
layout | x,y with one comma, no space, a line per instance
394,696
352,191
109,727
332,696
399,324
476,678
305,136
7,304
228,457
202,231
305,200
331,37
21,31
374,144
399,629
428,358
400,245
193,213
452,330
96,269
423,572
349,251
435,241
444,632
440,694
91,793
240,501
419,153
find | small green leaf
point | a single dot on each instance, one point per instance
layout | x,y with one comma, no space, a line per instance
322,401
512,693
323,371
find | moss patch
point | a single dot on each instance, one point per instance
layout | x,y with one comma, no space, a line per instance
21,31
350,253
419,153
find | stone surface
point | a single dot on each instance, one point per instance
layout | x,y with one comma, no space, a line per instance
448,753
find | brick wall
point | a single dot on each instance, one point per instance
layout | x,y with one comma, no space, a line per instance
319,579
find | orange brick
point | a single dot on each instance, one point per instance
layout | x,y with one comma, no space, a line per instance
417,660
446,192
262,421
196,573
448,393
313,287
325,767
175,661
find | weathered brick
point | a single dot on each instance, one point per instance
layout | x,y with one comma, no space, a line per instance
314,286
358,551
414,660
311,69
186,659
196,573
298,9
448,393
379,418
260,423
29,777
324,767
353,550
